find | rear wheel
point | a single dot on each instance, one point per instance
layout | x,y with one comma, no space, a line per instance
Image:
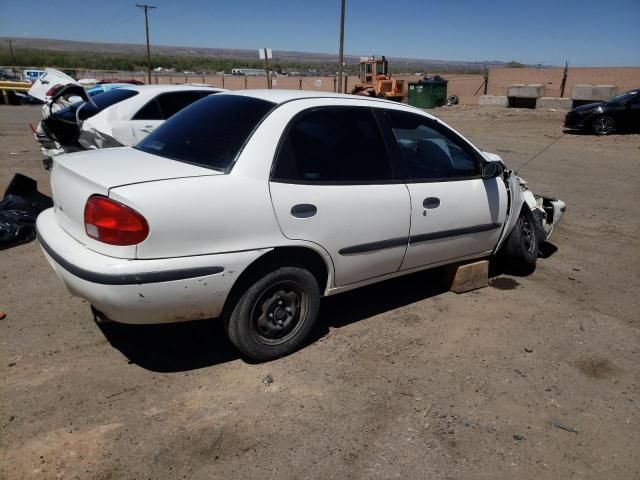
603,125
521,247
275,315
382,96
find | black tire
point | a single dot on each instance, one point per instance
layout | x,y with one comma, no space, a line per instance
383,96
274,317
521,247
603,125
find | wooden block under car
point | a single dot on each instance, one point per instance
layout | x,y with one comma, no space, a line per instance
469,276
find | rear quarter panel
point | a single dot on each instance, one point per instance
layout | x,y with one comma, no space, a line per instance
203,215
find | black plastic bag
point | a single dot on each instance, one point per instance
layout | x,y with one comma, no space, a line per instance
21,205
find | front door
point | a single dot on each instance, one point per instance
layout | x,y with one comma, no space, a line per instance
454,212
333,184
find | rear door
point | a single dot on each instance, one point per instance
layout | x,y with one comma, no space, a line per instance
454,212
165,105
333,184
146,120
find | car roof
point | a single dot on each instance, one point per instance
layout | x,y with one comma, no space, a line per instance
154,89
282,96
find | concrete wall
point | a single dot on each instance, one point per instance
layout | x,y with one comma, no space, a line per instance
462,85
624,78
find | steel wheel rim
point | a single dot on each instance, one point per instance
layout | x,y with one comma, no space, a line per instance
604,125
279,312
527,232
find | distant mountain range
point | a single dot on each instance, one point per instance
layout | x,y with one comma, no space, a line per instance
412,64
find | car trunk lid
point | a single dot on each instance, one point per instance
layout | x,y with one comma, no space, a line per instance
50,78
75,177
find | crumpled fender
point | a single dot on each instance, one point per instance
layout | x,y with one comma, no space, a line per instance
547,211
516,200
92,139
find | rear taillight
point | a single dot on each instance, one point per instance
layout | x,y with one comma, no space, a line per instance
112,222
52,91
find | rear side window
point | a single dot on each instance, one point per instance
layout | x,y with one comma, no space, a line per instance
333,145
172,103
209,133
168,104
151,111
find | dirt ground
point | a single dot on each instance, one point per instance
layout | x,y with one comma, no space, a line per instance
534,377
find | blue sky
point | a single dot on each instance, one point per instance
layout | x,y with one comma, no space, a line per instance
586,33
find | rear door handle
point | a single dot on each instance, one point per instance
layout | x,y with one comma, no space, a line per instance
431,202
304,210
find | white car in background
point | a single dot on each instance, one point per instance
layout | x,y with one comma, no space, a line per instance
119,117
252,205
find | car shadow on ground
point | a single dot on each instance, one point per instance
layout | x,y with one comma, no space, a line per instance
589,133
185,346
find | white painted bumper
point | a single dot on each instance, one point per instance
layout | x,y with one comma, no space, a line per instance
142,291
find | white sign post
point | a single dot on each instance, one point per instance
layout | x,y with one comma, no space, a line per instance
265,54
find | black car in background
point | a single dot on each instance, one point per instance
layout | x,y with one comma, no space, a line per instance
618,114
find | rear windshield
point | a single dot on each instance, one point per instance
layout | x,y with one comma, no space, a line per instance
88,110
209,132
104,100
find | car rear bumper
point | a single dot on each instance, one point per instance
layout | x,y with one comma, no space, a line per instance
142,291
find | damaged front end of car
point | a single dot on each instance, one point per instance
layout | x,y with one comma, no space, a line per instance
545,211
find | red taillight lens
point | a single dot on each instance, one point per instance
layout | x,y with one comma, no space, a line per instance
52,91
112,222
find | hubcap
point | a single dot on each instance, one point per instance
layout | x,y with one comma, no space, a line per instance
527,234
278,313
604,125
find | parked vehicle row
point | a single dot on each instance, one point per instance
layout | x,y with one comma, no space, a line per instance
251,205
106,115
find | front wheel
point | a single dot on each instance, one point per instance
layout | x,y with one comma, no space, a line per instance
603,125
521,247
275,315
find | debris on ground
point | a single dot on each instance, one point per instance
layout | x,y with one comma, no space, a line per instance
268,380
3,315
564,427
21,205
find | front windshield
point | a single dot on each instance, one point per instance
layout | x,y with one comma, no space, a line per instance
623,96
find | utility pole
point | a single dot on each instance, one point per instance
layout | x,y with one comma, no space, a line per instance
341,56
146,26
266,63
564,78
13,60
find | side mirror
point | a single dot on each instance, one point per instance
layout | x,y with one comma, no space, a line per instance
491,169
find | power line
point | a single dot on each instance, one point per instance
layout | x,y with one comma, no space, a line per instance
146,25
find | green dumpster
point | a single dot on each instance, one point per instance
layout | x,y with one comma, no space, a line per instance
430,92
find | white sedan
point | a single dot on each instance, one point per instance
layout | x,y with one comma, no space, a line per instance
252,205
119,117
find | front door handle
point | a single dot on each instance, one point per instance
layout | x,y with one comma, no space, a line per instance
431,202
304,210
